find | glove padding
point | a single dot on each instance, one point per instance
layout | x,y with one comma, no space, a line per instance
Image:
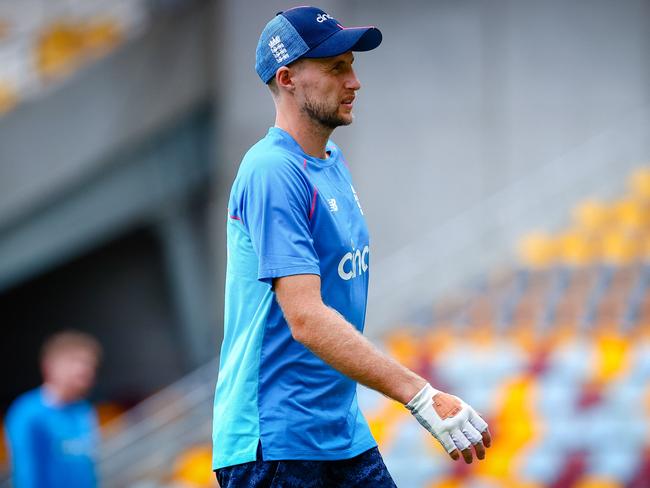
458,432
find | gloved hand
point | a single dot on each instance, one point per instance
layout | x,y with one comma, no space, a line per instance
452,422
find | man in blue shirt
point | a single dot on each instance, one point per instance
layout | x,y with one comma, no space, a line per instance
286,410
52,431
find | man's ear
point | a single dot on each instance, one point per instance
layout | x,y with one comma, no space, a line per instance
284,79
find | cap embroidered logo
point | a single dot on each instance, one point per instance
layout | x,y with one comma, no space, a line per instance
278,50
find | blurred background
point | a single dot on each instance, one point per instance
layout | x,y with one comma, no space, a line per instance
501,151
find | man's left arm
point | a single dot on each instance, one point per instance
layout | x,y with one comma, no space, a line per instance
25,449
337,342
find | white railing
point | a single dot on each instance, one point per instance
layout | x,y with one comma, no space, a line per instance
144,442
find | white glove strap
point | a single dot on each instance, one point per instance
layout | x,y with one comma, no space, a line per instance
422,398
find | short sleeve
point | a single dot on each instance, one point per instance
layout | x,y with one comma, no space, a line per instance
276,208
26,444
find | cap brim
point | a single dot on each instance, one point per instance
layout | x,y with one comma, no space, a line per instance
347,39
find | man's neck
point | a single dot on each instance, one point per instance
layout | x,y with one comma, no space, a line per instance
310,136
56,395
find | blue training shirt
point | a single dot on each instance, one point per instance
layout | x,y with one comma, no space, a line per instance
289,214
51,445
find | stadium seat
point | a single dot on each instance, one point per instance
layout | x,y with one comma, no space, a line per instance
592,216
639,184
578,248
8,97
537,250
109,413
621,247
597,482
612,358
193,468
632,214
59,50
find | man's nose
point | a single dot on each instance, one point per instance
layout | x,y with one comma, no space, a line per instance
353,82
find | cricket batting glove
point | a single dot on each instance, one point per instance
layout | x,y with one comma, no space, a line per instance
457,432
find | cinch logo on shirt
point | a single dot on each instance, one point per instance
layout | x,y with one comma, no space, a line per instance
353,263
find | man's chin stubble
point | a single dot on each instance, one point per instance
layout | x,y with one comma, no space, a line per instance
326,120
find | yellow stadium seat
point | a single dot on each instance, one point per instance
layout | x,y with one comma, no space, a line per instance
639,184
384,423
620,247
577,248
448,483
59,50
632,214
597,482
537,250
405,347
8,97
108,413
612,357
592,215
194,467
515,426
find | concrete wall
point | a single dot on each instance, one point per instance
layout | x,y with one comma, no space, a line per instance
124,145
465,102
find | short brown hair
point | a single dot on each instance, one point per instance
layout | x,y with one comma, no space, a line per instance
70,340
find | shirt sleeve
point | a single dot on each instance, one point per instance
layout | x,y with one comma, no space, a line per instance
25,444
276,208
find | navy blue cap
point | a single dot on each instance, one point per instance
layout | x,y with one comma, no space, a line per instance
308,32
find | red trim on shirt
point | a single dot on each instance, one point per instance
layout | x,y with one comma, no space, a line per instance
313,203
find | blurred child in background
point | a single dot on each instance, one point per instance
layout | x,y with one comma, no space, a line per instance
52,430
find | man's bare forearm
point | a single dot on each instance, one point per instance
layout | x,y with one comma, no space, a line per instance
328,335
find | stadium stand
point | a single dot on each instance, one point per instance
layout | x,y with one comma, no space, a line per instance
557,360
42,42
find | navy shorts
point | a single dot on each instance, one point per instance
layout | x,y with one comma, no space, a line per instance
365,470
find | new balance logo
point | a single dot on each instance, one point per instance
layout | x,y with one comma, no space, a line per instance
278,50
332,205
